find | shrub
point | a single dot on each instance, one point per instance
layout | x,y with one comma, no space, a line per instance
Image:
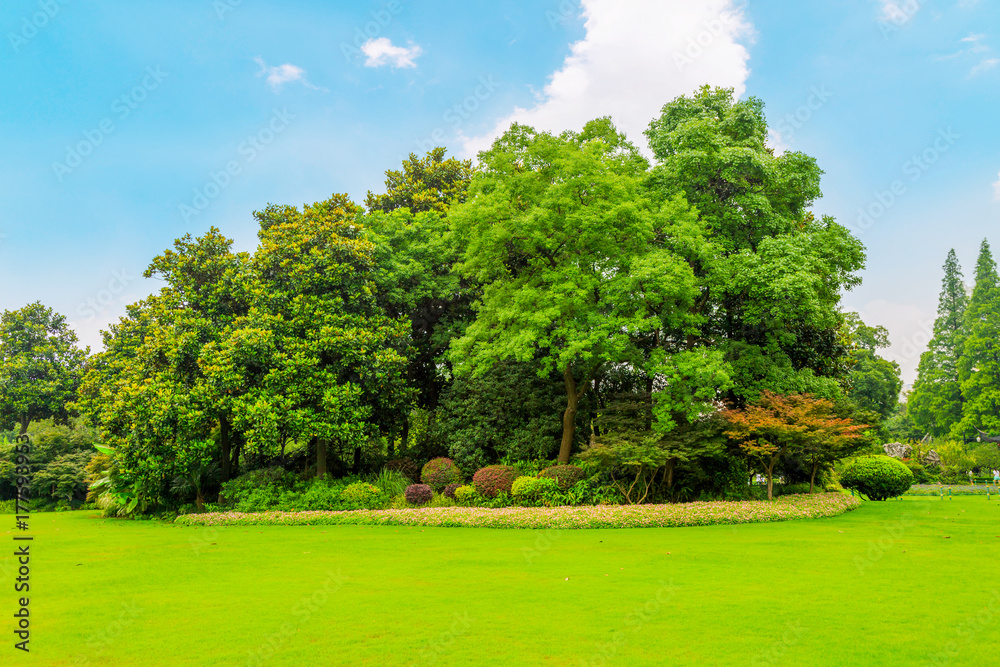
449,491
492,480
566,475
419,494
525,487
406,467
466,494
878,477
392,482
361,494
439,473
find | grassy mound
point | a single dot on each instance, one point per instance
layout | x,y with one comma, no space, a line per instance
784,508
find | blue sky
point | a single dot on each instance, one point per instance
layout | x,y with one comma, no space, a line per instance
126,125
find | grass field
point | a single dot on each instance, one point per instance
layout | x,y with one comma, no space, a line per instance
914,581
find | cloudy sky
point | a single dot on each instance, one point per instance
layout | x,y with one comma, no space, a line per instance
124,125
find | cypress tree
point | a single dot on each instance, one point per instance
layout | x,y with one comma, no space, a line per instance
979,365
935,404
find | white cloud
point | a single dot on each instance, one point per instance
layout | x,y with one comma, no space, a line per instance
636,56
996,188
382,51
910,330
282,74
984,65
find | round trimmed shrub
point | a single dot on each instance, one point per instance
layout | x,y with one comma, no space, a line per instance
449,491
466,493
493,480
439,473
360,493
525,487
878,477
566,475
406,467
419,494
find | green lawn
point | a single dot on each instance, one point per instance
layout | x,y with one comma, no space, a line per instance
820,592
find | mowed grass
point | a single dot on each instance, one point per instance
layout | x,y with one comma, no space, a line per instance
895,583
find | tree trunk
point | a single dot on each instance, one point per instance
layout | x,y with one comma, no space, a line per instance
199,501
24,425
320,457
770,479
812,480
357,461
234,465
648,398
569,417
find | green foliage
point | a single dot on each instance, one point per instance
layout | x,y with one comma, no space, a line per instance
40,366
493,480
439,473
565,475
391,482
466,494
878,477
430,183
508,412
360,493
404,466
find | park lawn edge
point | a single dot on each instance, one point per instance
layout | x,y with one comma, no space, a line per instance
785,508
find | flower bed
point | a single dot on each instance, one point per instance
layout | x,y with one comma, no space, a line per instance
785,508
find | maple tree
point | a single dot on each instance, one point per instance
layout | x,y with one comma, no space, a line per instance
780,426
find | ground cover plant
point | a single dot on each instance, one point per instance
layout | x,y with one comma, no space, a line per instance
371,595
785,508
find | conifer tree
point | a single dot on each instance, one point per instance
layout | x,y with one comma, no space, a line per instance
935,403
979,364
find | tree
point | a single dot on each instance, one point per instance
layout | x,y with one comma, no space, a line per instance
553,228
781,426
873,383
979,365
314,359
40,366
770,281
935,404
430,183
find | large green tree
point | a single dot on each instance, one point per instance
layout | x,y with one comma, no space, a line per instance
40,366
770,283
935,404
979,365
314,359
560,229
